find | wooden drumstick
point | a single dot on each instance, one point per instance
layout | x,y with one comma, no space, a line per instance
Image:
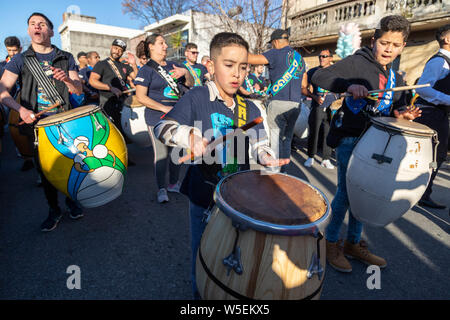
224,138
392,89
129,91
38,115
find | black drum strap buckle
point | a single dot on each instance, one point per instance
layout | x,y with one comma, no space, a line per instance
233,261
381,158
315,266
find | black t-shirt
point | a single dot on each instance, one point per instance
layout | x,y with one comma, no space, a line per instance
109,77
329,97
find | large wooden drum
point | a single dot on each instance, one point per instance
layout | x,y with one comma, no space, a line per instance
22,142
134,124
389,170
263,240
83,155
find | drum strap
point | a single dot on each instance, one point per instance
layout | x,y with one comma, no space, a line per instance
116,71
163,74
239,296
43,81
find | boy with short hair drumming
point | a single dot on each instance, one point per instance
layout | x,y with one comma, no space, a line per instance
216,109
367,69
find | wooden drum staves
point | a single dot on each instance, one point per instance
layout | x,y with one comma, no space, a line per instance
263,240
389,170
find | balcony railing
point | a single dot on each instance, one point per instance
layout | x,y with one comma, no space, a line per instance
326,19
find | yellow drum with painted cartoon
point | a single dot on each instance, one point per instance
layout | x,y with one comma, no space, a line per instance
83,155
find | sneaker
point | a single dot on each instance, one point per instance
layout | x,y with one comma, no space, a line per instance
309,162
336,258
174,187
54,215
327,164
359,251
162,196
75,211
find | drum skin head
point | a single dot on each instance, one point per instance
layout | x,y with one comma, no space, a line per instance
276,198
68,115
403,126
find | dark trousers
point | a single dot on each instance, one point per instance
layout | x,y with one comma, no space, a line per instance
113,108
51,193
437,120
318,118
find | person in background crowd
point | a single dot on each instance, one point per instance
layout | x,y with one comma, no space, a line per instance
82,60
320,115
286,68
197,71
92,96
434,102
159,86
111,78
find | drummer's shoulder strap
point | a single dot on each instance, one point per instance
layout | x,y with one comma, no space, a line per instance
42,79
163,74
241,114
116,71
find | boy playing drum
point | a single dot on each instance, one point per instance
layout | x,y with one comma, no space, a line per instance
368,69
214,108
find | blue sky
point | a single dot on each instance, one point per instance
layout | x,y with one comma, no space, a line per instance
14,15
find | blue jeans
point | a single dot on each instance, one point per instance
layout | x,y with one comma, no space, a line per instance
340,203
197,228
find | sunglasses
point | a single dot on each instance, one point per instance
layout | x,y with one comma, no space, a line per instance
194,52
324,56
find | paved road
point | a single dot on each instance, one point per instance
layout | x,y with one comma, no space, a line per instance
135,248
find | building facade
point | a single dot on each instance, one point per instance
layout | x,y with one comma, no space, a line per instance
199,28
315,24
83,33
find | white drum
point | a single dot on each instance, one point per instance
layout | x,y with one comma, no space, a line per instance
301,129
389,170
134,124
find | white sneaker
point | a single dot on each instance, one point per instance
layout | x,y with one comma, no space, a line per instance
162,196
327,164
309,162
174,187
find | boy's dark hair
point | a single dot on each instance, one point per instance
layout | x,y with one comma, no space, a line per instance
393,23
12,42
441,33
190,46
49,23
226,39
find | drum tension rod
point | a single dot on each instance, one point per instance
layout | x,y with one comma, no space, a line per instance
233,261
315,266
381,158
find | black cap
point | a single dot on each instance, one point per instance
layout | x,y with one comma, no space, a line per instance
81,54
279,34
120,43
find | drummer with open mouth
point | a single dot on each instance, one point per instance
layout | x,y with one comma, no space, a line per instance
60,68
368,69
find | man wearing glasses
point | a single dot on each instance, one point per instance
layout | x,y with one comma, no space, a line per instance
320,112
198,71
